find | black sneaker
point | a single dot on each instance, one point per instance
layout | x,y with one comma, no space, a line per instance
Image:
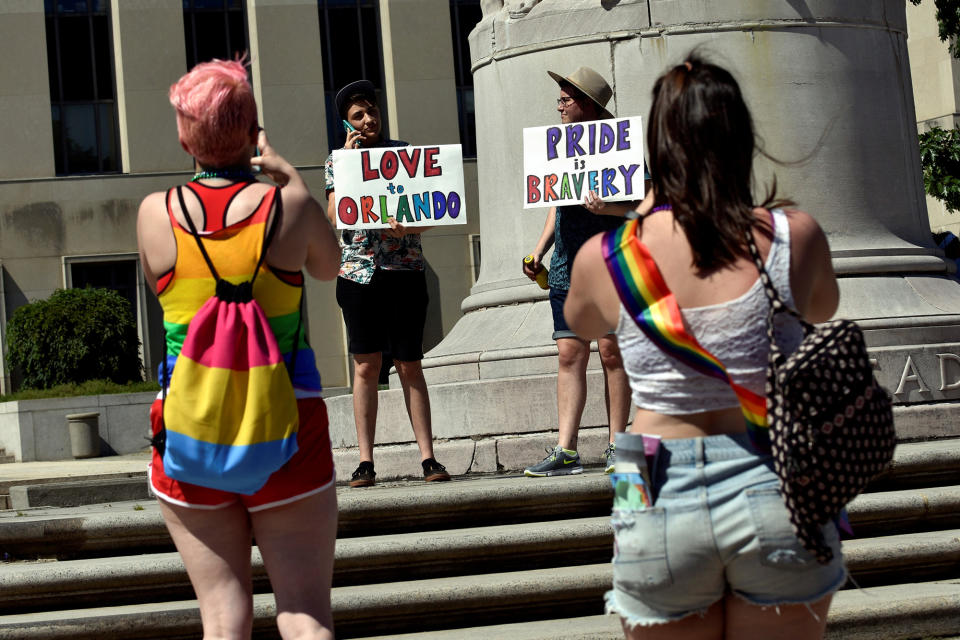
433,471
364,476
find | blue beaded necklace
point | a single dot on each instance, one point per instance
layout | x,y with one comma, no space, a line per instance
227,173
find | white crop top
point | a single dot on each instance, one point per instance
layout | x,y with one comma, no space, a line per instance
734,331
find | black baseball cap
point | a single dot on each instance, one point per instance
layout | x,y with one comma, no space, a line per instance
362,87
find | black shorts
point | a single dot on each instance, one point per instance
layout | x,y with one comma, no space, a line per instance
386,315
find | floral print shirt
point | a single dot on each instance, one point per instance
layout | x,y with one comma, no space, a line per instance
366,250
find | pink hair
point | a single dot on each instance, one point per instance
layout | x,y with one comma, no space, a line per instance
215,110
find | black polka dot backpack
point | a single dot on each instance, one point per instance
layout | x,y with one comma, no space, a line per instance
831,423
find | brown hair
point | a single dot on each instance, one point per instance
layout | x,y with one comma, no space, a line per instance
701,143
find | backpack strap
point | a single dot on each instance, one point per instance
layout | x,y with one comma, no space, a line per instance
777,304
196,235
271,232
653,307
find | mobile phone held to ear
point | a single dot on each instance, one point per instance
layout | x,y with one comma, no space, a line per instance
349,127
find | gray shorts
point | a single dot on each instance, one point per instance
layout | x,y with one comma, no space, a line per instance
718,525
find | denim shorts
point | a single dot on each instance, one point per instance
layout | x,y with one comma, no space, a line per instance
718,525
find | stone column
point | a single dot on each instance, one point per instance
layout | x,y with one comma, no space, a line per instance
25,92
149,55
828,83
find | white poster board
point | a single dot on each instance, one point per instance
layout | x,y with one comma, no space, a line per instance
562,163
418,186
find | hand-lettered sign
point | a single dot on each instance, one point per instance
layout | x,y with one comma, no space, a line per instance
562,163
418,186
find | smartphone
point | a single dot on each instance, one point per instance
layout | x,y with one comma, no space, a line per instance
349,127
256,168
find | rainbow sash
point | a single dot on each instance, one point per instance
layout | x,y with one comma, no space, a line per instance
654,308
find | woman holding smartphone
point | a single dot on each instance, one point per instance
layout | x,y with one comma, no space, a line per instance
381,272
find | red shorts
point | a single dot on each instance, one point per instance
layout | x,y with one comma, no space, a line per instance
309,471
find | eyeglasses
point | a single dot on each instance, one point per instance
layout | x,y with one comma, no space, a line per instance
565,101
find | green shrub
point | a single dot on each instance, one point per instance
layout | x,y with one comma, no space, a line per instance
940,157
73,336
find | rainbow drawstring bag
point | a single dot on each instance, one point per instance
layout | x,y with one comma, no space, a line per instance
229,415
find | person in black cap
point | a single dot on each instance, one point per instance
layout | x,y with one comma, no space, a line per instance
381,271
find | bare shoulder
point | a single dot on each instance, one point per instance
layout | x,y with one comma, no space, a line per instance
154,201
294,196
153,210
812,279
590,255
803,226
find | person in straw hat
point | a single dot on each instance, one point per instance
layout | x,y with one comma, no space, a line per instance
584,96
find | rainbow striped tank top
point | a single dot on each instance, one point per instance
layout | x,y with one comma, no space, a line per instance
234,249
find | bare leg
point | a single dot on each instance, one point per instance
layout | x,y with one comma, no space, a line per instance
297,543
616,385
735,619
215,547
785,622
693,627
571,388
417,399
366,376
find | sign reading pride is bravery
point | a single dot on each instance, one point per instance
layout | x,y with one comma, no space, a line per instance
418,186
563,163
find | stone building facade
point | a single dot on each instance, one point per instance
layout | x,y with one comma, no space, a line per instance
88,130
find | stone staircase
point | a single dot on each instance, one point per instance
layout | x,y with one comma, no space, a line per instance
475,558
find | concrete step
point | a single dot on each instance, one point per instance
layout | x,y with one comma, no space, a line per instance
892,512
380,510
900,612
85,482
79,492
921,464
413,506
382,608
387,558
462,552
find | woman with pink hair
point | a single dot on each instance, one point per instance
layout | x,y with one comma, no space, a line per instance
294,515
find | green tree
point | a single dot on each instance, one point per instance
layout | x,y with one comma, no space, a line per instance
73,336
940,157
940,149
948,22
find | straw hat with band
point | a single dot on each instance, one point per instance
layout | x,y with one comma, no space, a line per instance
592,85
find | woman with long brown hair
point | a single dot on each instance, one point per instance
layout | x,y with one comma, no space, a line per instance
714,556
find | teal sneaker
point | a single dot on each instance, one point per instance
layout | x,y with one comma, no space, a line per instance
609,456
559,462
